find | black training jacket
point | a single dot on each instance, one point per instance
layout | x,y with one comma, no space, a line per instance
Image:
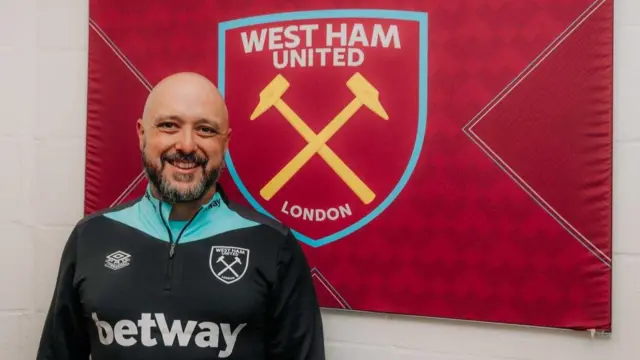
229,284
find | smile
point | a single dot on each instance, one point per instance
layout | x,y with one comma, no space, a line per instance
183,165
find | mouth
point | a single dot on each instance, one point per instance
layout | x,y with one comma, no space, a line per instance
183,165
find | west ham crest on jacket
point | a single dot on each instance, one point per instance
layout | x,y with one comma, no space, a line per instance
228,263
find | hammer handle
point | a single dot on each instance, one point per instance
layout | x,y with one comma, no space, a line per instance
344,172
278,181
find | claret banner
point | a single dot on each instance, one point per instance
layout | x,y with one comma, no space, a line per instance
440,158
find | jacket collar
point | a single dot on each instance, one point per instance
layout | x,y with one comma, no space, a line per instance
163,208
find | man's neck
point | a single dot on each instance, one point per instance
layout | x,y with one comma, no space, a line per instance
185,211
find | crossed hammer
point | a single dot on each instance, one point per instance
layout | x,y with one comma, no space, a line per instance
228,266
364,94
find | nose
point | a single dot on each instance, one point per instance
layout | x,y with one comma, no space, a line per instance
186,142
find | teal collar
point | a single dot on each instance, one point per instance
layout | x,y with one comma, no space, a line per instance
157,212
162,209
151,216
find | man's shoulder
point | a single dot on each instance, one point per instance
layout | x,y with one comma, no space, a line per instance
99,215
92,224
250,214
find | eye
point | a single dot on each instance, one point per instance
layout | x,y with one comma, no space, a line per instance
166,125
207,130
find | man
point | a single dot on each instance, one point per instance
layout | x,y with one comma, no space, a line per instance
182,273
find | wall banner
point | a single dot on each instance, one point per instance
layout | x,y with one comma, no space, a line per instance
441,158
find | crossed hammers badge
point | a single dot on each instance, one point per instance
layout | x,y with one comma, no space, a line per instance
365,94
228,263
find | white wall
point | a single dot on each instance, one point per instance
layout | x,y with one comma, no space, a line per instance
43,64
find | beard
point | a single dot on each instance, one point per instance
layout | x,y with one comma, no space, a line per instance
168,189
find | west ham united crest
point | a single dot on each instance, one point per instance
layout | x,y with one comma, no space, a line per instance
331,108
228,263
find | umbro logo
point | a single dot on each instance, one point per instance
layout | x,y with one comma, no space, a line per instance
117,260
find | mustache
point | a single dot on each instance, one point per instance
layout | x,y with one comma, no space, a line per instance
181,156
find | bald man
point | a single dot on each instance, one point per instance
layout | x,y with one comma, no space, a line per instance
182,272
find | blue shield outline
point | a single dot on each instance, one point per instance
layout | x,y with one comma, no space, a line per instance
420,17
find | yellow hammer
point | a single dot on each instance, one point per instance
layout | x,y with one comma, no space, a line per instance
365,94
344,172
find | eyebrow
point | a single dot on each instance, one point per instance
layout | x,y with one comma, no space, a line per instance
167,117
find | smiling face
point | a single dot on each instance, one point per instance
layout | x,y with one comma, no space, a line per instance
183,136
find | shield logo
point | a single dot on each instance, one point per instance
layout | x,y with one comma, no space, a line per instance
228,263
329,112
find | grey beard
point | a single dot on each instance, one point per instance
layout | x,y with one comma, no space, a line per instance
171,193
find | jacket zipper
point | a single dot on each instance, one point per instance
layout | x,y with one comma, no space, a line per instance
168,272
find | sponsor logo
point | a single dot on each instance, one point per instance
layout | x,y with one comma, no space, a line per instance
228,264
214,203
203,334
117,260
332,105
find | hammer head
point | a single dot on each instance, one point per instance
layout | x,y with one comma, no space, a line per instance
367,94
220,258
270,95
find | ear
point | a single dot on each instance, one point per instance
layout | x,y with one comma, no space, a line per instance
227,139
140,131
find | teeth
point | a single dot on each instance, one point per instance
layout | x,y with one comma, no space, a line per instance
184,165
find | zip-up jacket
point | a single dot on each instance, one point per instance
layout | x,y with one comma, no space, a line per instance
230,283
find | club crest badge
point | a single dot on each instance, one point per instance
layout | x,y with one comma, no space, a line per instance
228,263
331,105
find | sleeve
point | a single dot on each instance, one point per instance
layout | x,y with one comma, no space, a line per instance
64,335
296,331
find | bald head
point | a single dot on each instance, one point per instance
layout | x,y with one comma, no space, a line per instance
186,95
183,135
